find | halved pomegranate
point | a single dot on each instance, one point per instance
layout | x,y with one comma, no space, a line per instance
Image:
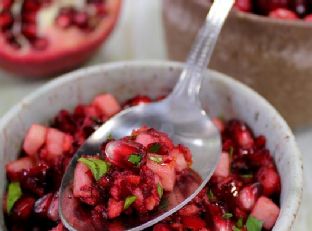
40,38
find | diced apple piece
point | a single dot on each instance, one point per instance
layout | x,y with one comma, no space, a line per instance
67,144
166,173
106,104
180,162
114,208
14,167
150,203
267,211
223,167
54,143
82,181
34,139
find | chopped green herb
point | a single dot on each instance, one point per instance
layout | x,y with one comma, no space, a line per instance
160,190
110,137
98,167
227,215
234,228
154,148
163,204
129,201
247,176
239,223
210,195
253,224
135,159
14,193
157,159
231,151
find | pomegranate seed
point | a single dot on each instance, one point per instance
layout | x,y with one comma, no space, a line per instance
270,180
260,142
266,6
11,39
81,20
6,20
140,99
23,208
244,5
161,227
63,21
29,18
30,5
29,31
101,9
42,205
6,4
282,13
118,152
242,134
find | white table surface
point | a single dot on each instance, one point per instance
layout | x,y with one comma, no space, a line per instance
139,35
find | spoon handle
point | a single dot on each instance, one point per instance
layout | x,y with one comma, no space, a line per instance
200,55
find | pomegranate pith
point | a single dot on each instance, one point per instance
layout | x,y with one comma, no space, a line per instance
44,38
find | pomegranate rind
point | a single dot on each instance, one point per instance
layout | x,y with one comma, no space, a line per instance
56,59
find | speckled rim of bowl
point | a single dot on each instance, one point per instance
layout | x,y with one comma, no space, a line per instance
293,201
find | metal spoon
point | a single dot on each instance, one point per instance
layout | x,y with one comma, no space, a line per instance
179,115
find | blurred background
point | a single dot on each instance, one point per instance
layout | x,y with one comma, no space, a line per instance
272,56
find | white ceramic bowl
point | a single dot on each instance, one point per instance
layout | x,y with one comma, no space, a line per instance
220,95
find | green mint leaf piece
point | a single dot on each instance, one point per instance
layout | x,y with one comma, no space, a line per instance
231,151
110,137
135,159
14,193
129,201
247,176
157,159
227,215
160,190
98,167
239,223
234,228
253,224
154,148
210,195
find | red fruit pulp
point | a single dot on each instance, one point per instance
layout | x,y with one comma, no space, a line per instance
44,38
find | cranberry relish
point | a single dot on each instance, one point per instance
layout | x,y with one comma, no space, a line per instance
243,193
